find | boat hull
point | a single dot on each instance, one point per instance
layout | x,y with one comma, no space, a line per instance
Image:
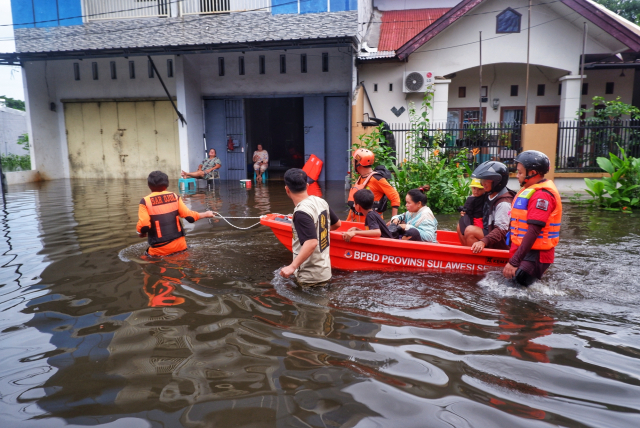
376,254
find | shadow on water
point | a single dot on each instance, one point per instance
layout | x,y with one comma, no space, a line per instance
94,333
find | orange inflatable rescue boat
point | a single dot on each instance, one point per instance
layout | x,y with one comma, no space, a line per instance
396,255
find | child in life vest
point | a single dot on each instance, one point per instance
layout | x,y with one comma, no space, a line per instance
159,216
418,223
471,213
373,223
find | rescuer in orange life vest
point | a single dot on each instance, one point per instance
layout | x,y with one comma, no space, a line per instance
375,181
536,215
159,217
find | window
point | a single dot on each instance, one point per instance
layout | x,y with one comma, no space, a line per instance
541,90
585,89
508,21
283,64
514,90
325,62
462,92
608,88
241,66
511,114
484,90
76,71
261,65
220,66
560,89
375,87
390,87
150,70
169,68
132,70
112,66
94,70
303,63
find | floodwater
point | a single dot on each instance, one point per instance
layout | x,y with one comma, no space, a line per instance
91,334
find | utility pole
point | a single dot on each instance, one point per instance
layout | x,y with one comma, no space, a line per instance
526,89
480,90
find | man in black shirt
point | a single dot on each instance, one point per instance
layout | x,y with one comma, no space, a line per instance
312,220
373,223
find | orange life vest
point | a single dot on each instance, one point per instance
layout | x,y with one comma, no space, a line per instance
550,234
313,167
355,215
165,218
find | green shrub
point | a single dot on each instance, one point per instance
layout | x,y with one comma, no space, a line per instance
621,191
13,162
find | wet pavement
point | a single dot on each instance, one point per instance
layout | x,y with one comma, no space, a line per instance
93,334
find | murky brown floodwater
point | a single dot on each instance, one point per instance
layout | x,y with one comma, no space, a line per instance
90,334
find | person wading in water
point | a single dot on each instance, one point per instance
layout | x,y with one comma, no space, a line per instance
312,219
536,216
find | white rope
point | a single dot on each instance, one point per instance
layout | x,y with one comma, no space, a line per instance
217,214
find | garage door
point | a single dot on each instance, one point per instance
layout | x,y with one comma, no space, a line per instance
122,139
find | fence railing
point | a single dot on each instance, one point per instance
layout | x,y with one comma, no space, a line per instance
580,143
500,141
193,7
113,9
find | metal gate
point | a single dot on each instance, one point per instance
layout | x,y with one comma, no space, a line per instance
236,158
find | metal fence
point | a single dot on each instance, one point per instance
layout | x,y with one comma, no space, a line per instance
581,142
500,141
192,7
111,9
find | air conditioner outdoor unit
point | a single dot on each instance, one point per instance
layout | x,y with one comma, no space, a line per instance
417,81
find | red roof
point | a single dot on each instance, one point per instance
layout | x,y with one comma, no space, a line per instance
400,26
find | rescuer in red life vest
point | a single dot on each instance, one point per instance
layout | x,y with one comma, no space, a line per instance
159,217
375,181
536,215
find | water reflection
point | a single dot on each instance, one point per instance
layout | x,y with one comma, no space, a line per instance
93,333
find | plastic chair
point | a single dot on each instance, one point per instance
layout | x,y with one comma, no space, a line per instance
184,185
265,176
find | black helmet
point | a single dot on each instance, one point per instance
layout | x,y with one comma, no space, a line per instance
534,160
494,171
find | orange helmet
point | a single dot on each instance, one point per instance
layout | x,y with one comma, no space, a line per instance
363,157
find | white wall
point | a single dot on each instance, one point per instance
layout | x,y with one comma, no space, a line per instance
597,79
337,79
13,123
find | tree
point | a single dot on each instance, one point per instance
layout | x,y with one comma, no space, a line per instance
628,9
12,103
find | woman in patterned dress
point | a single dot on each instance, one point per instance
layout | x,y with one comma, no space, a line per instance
208,169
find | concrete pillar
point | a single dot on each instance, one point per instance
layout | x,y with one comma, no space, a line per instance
189,102
441,100
570,97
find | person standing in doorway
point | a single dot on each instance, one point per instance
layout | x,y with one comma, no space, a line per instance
261,162
536,216
208,169
312,220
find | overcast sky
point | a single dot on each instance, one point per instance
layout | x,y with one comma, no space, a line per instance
10,77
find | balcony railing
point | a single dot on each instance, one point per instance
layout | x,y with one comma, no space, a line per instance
113,9
197,7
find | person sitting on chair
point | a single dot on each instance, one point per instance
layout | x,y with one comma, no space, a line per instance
261,159
208,169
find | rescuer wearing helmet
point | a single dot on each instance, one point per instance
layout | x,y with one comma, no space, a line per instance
159,217
374,180
494,177
536,216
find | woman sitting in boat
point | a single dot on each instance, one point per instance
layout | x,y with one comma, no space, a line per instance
418,223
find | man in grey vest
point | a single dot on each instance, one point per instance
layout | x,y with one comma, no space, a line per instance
312,220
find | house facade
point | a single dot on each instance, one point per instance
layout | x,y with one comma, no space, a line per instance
104,82
450,40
